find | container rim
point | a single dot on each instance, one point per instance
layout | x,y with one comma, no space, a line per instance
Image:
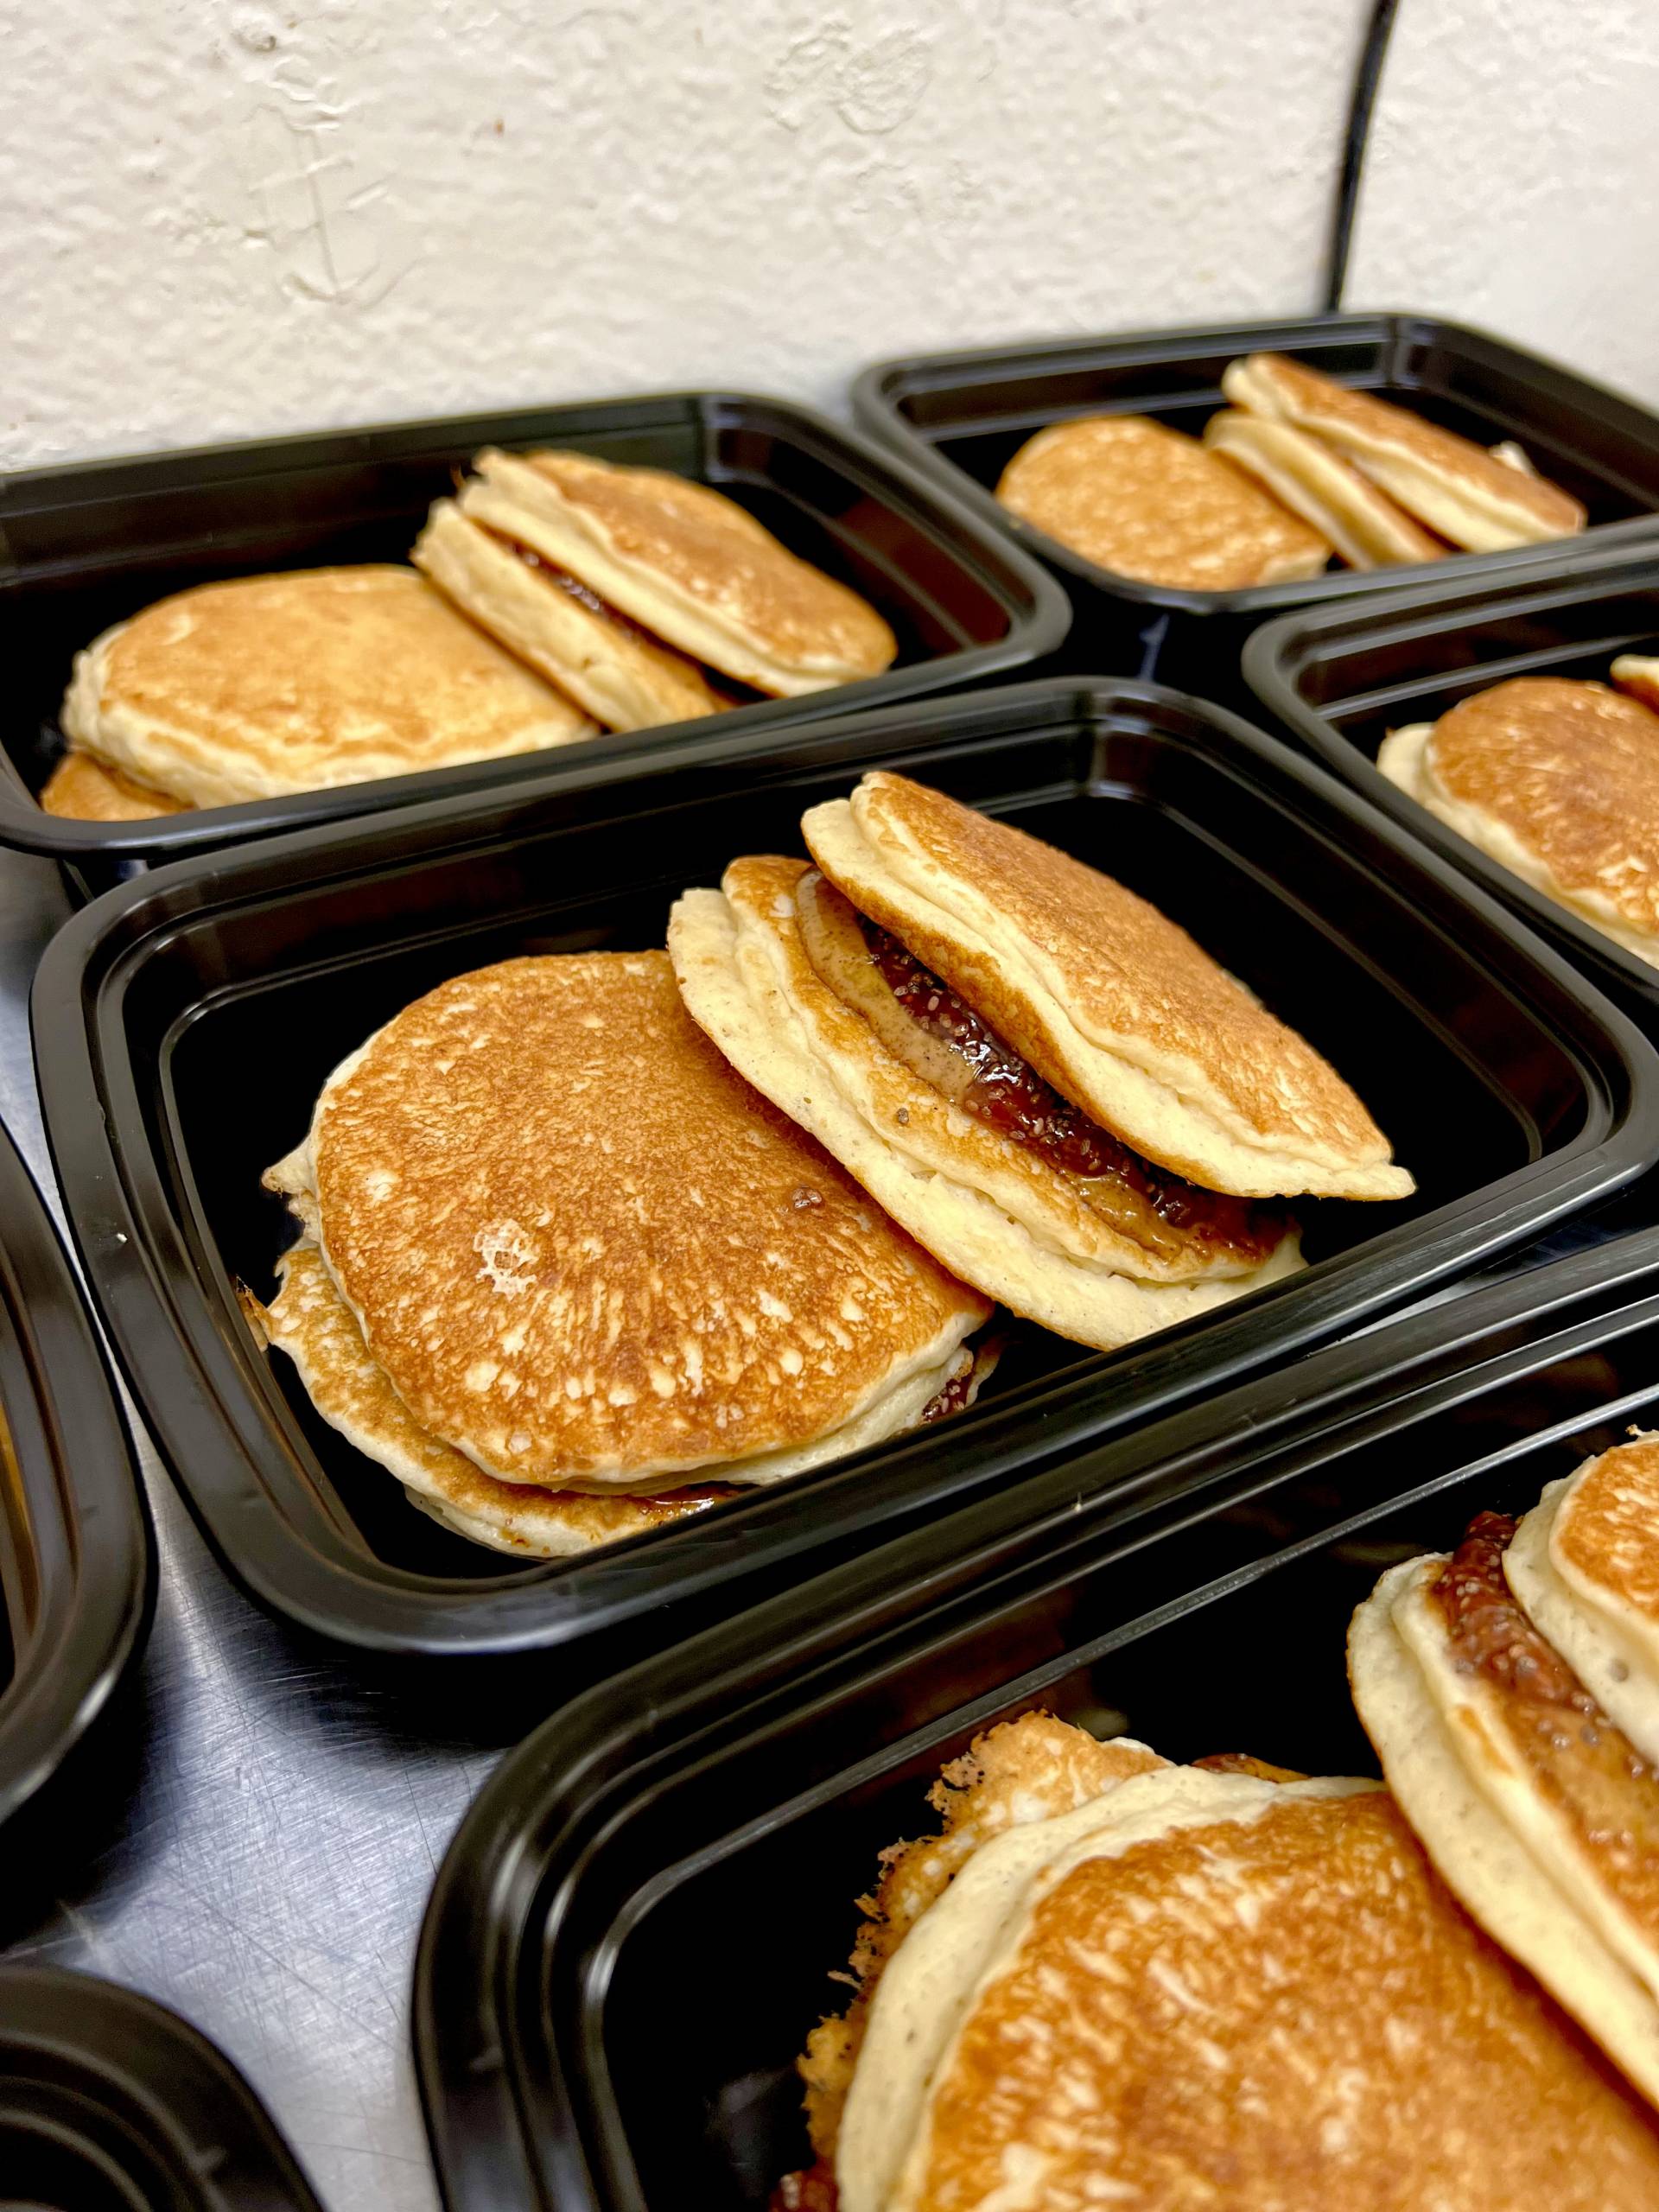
336,1597
1037,610
878,391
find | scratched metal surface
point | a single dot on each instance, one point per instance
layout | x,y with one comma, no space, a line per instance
265,1869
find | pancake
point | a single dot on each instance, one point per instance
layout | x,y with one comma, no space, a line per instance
1557,781
1113,1004
1095,1259
1153,504
1205,1987
587,1257
84,790
1029,1769
612,669
1639,675
694,569
1538,1813
271,684
1454,486
1584,1567
1366,527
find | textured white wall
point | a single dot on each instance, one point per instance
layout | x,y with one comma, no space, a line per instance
223,217
1514,177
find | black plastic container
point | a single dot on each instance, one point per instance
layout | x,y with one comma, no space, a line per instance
85,546
1341,678
634,1926
110,2103
963,416
77,1565
184,1026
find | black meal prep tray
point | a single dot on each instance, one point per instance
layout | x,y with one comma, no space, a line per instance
963,416
184,1025
85,546
1339,678
109,2102
77,1563
636,1923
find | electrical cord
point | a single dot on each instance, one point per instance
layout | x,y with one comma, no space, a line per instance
1366,79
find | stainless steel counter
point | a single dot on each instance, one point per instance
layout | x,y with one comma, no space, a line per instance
273,1856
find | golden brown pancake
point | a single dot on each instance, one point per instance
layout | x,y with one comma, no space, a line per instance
1454,486
1537,1810
1365,525
694,568
1112,1003
587,1257
1557,779
270,684
1276,2007
613,670
311,1322
84,790
1153,504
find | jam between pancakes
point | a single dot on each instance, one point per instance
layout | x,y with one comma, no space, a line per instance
582,594
1583,1767
998,1087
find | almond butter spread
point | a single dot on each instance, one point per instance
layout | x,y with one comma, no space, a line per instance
938,1035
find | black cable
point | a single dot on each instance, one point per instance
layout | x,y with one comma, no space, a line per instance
1366,79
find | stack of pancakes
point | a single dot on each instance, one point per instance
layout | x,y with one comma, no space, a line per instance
1047,1083
579,1230
1512,1692
1299,468
561,596
1558,780
568,1277
1112,1980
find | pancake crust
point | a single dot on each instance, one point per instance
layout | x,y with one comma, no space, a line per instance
695,568
1366,526
1112,1003
1571,771
1639,675
311,1322
1277,2007
270,684
84,790
1151,503
587,1255
623,678
1032,1769
1454,485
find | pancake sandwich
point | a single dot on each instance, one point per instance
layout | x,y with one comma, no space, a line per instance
1558,780
1511,1689
266,685
566,1277
1153,504
1365,525
1453,486
1049,1084
630,586
1114,1980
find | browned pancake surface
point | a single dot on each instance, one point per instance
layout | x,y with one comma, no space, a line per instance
1151,503
717,552
1128,969
1573,770
579,1243
1320,400
1286,2016
84,790
1607,1526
